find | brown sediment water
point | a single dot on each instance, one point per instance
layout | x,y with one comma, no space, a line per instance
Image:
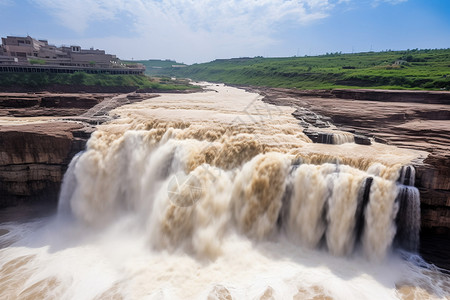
217,195
25,120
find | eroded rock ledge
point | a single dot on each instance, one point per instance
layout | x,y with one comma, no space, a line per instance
47,104
39,135
33,159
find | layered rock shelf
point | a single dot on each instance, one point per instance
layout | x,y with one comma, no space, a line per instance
47,104
427,97
39,135
33,159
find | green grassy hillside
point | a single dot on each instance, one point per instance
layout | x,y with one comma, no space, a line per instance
413,69
153,66
34,80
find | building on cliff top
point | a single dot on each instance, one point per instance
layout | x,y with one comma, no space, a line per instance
27,54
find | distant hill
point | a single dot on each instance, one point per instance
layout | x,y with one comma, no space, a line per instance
411,69
153,66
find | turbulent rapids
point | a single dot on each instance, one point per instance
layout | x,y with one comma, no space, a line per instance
218,195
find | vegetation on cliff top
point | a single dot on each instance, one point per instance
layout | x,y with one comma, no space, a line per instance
412,69
153,66
43,80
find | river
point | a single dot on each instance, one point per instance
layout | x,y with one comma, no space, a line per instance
218,195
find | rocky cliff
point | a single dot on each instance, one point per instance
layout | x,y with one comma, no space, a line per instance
39,135
33,159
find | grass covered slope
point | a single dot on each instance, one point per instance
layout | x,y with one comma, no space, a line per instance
153,66
414,69
42,80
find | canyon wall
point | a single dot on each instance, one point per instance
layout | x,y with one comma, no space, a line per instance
33,159
39,135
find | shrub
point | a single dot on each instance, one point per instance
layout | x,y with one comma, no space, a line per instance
35,61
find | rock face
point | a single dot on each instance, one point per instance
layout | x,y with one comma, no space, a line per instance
423,123
45,104
72,88
428,97
433,181
39,135
33,159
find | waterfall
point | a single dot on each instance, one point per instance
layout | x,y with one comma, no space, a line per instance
68,187
407,176
343,137
192,184
332,137
363,200
408,218
328,205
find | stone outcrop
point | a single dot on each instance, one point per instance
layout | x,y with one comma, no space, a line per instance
46,104
33,159
72,88
40,135
428,97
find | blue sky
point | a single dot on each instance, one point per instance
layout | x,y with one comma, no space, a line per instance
202,30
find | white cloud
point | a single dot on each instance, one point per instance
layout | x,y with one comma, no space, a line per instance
215,28
190,30
210,15
393,2
77,14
